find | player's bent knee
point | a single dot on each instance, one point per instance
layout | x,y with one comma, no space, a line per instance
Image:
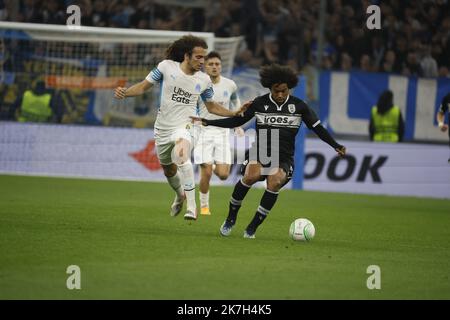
223,176
206,175
170,170
276,182
250,180
275,186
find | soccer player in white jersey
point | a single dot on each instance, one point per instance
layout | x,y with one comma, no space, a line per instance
213,144
182,84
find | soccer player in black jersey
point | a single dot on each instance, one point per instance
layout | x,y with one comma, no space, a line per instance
440,116
278,117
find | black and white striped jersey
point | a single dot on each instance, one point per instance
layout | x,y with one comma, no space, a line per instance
273,120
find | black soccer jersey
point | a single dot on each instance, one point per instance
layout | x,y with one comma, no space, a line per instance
286,119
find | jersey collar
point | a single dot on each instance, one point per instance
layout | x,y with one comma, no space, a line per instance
276,104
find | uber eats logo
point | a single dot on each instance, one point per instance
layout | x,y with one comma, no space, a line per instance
180,95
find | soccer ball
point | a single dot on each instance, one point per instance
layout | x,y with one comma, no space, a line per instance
302,230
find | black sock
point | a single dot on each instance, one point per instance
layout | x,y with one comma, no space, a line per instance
239,193
267,202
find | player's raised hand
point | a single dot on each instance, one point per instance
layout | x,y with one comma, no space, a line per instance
341,151
119,93
198,120
243,108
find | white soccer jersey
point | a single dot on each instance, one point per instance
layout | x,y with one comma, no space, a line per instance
225,93
213,143
180,94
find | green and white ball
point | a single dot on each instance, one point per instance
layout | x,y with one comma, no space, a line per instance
302,230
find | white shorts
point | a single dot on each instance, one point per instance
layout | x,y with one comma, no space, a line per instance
165,141
213,146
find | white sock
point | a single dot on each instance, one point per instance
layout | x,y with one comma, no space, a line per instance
187,176
175,183
204,199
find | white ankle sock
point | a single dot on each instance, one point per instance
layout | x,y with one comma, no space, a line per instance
187,176
204,199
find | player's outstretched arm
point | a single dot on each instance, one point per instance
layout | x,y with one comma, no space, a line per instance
325,136
239,117
215,108
135,90
224,123
195,120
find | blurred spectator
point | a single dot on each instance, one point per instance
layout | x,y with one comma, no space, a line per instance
35,105
412,66
99,14
428,63
444,72
8,103
3,11
282,30
401,52
386,121
365,63
270,50
346,62
377,52
389,63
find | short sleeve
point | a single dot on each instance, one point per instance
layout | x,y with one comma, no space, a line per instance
157,74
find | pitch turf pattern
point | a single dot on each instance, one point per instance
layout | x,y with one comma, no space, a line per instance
127,246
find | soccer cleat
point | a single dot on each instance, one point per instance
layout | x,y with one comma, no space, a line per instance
225,228
205,211
249,235
177,205
190,215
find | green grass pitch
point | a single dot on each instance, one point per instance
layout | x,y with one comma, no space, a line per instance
127,246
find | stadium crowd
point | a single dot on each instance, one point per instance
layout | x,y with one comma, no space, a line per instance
413,40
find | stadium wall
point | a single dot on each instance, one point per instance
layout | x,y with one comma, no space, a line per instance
129,154
346,99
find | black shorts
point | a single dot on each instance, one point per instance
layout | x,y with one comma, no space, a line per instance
286,164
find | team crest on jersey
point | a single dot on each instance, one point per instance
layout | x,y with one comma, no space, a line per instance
291,108
197,88
266,107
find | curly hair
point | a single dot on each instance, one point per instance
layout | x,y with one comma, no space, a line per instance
277,74
185,44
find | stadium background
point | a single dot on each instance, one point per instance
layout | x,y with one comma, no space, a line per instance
343,67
